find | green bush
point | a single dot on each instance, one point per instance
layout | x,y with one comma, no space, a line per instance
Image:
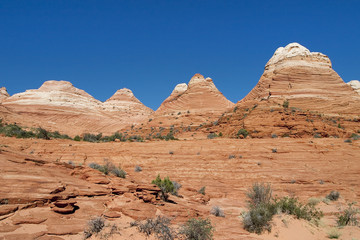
258,218
160,226
260,193
94,227
348,217
333,195
166,186
77,138
262,208
242,132
217,211
334,234
197,229
286,104
202,190
292,206
88,137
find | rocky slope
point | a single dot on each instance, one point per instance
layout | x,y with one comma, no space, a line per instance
355,84
58,105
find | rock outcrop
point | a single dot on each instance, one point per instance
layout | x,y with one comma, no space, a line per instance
200,95
355,84
306,79
3,94
188,106
58,105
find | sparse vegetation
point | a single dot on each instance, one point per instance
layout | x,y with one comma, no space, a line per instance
334,233
262,207
197,229
232,156
217,211
333,196
212,135
14,130
166,186
137,169
160,226
242,132
108,168
274,150
94,227
202,190
285,104
348,216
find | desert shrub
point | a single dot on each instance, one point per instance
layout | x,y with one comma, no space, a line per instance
232,156
202,190
258,218
334,233
197,229
137,169
274,150
314,201
274,135
94,227
177,186
71,163
348,141
348,216
285,104
88,137
13,130
333,195
260,193
217,211
95,166
355,136
118,172
77,138
165,185
42,133
292,206
56,134
212,136
4,201
160,226
242,132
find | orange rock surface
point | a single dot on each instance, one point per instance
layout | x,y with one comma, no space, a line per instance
36,177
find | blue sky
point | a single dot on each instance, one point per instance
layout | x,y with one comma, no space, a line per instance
150,46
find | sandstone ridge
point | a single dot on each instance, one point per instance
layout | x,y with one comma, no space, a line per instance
307,80
70,110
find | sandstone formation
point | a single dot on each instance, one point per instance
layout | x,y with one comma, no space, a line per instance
355,84
298,95
125,101
306,79
190,105
3,94
58,105
200,96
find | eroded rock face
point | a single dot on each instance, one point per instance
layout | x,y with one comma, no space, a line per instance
58,105
3,94
306,80
355,84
